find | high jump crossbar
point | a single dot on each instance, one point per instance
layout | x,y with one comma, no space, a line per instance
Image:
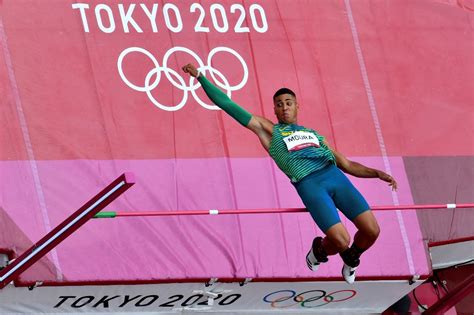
113,214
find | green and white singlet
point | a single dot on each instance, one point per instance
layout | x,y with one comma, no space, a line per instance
299,151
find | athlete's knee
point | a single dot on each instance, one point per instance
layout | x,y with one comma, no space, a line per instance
368,226
340,241
376,231
373,232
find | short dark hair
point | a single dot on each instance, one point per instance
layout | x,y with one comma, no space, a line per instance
284,91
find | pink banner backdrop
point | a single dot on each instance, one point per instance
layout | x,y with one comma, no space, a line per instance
91,89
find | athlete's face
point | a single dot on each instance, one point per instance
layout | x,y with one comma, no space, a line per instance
286,108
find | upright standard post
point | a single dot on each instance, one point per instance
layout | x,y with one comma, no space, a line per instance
66,228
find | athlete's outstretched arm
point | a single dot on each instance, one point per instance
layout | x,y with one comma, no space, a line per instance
359,170
259,125
219,98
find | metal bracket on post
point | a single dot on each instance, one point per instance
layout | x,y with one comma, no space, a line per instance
211,281
244,282
4,261
413,279
37,284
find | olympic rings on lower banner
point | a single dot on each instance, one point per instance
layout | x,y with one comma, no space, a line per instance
154,75
277,298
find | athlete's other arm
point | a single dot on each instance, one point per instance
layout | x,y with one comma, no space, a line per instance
261,126
358,170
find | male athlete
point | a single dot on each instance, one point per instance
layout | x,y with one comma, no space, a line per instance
314,168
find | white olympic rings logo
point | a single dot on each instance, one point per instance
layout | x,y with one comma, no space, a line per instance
150,85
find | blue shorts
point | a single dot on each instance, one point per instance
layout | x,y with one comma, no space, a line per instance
325,191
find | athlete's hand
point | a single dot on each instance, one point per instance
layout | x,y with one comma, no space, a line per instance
191,69
387,178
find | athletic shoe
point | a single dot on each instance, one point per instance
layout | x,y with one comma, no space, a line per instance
316,250
348,273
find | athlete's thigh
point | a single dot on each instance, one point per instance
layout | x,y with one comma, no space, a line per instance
347,198
320,205
366,222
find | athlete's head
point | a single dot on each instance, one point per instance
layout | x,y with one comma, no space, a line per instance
285,106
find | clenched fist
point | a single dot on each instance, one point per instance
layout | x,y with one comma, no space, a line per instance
191,69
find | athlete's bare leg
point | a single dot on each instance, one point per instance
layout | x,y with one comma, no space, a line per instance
368,230
337,239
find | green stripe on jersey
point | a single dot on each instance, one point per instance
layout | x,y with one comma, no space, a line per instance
300,163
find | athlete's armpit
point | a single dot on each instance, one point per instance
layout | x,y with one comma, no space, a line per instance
341,161
260,124
263,128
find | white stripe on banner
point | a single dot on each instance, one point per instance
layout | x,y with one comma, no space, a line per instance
29,147
378,130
